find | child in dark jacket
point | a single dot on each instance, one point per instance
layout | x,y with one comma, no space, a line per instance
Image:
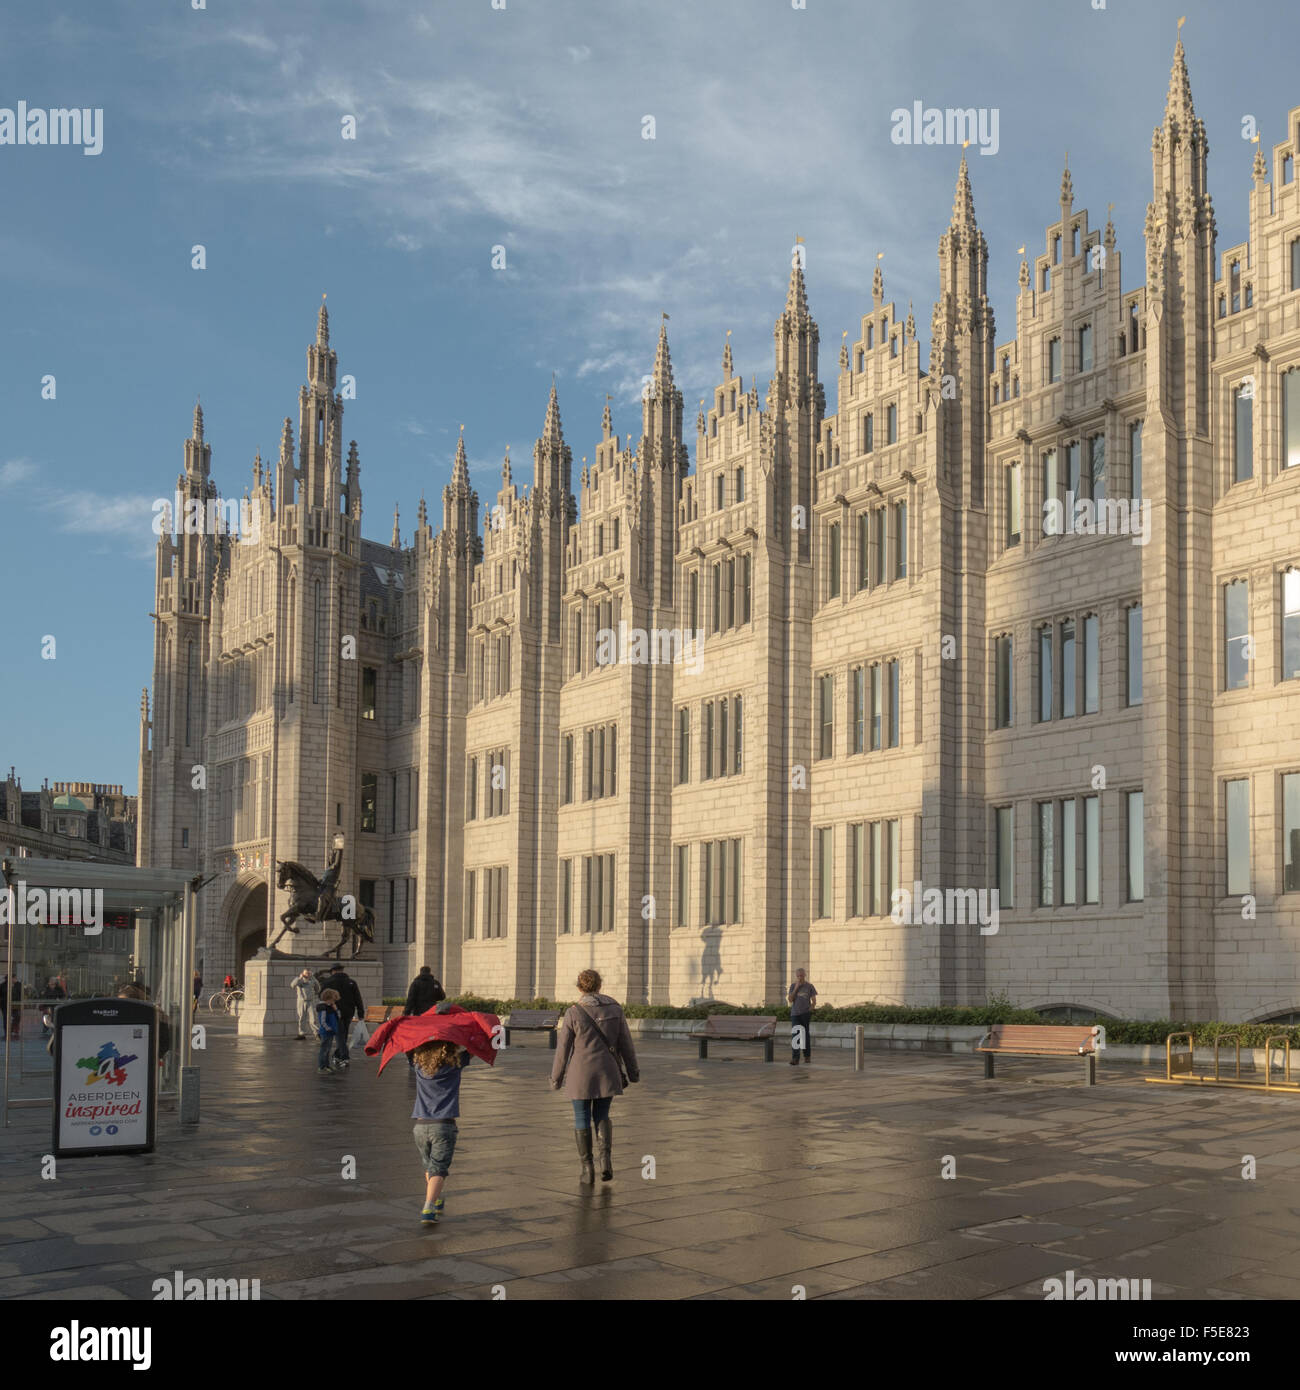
327,1026
437,1103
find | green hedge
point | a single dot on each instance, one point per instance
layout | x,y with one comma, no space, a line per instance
997,1010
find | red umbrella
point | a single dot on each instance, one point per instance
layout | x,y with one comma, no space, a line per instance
472,1031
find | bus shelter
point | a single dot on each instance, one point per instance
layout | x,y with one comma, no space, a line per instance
76,929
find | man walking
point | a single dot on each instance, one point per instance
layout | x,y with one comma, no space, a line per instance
350,1006
424,993
802,998
304,988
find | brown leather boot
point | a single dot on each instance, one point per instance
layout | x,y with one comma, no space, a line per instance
583,1136
605,1148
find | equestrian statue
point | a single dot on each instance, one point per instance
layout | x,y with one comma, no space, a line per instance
315,900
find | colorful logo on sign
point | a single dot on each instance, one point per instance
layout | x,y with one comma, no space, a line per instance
109,1065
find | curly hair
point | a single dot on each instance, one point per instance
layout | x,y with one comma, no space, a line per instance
589,982
433,1056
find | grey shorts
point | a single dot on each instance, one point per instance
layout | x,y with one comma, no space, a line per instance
436,1141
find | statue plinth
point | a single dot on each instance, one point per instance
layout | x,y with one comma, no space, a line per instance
270,1006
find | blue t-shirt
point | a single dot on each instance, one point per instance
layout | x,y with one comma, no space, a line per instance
437,1097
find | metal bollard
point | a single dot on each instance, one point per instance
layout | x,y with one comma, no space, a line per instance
859,1047
189,1095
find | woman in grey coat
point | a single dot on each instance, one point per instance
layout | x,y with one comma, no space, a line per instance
593,1050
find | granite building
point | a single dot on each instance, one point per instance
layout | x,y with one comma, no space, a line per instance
1020,616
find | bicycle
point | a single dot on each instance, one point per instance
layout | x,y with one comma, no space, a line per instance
226,1001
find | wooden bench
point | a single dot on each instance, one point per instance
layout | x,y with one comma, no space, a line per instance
737,1028
381,1013
1041,1040
534,1021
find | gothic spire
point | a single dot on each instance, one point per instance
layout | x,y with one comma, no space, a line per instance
552,432
727,372
1067,186
796,298
663,371
1178,103
397,534
197,434
878,286
606,420
963,202
505,471
460,468
1259,170
323,325
422,516
286,442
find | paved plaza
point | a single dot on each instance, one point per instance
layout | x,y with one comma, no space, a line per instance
765,1178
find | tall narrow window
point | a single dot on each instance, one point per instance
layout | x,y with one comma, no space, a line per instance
1006,863
746,566
879,904
857,710
369,801
189,689
877,703
1015,504
864,549
895,861
1051,485
471,795
738,735
1072,479
891,423
740,484
724,743
1069,853
1291,832
1002,695
1133,624
826,713
1237,803
1085,347
1136,859
900,541
1236,633
715,575
369,689
1291,418
1092,849
1054,360
878,545
1234,285
694,605
1091,665
1068,671
708,740
833,559
1135,460
1046,853
825,870
683,872
857,871
566,896
868,433
1046,684
1097,467
1243,440
683,745
1290,624
470,885
895,712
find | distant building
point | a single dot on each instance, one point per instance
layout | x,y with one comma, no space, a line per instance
68,820
923,661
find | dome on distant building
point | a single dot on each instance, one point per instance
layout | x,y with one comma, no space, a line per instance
68,803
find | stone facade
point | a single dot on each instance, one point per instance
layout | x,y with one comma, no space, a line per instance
903,675
68,820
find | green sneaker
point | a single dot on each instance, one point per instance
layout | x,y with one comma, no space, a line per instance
440,1206
429,1216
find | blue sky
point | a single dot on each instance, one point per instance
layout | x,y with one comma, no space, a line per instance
479,127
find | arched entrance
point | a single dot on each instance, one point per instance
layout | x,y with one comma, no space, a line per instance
250,928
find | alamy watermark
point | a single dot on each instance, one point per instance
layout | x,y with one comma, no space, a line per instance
53,907
953,125
212,516
933,907
656,646
1112,516
62,125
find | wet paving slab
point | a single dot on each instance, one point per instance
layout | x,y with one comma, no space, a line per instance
915,1179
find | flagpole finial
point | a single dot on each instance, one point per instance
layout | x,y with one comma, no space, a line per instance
1182,20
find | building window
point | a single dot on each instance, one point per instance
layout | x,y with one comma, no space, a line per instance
825,869
369,799
895,713
694,604
1133,644
1006,857
185,838
1237,803
1291,832
1136,857
1243,443
900,540
864,549
719,492
1046,853
568,770
471,790
745,587
1236,635
369,687
1015,504
1069,854
826,712
470,887
891,424
683,745
1002,689
1051,485
740,484
1097,467
857,871
1091,665
1085,347
1068,674
1072,479
1135,460
1046,683
708,740
1054,360
878,545
716,587
857,709
1092,849
1291,418
871,335
566,897
869,426
1234,285
682,873
738,736
877,706
893,345
598,893
1290,624
833,549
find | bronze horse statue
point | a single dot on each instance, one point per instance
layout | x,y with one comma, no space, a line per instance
314,900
